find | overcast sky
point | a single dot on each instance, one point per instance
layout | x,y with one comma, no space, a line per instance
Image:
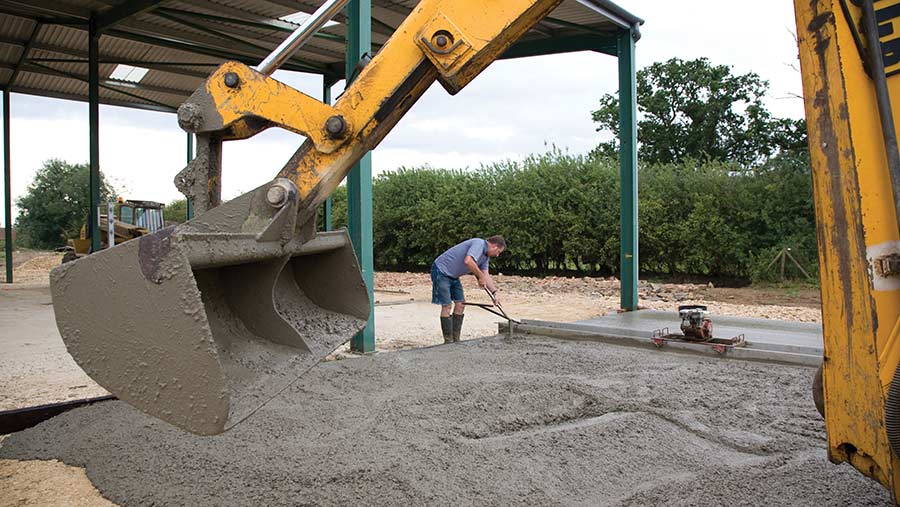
513,109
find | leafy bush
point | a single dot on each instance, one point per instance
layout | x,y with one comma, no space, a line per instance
560,212
176,211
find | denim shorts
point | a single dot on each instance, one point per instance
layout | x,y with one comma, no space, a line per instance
444,289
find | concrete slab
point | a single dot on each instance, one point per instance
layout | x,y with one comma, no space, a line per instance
766,340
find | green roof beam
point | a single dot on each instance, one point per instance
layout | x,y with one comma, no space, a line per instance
24,90
123,11
44,20
7,192
210,31
169,67
25,49
46,8
203,27
260,23
628,174
39,68
359,180
193,47
601,44
309,6
126,61
94,135
576,26
70,75
329,203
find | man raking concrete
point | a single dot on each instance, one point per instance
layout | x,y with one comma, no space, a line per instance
470,256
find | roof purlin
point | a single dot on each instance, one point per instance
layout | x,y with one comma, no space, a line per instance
104,86
123,11
25,49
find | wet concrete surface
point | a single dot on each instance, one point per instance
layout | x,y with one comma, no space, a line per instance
527,421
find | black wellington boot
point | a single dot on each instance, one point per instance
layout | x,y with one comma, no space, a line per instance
457,325
447,329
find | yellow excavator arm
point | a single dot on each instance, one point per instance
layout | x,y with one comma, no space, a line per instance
205,322
450,41
852,102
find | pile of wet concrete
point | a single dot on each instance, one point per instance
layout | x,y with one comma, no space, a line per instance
526,421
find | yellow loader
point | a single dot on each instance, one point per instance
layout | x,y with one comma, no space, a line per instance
130,219
224,311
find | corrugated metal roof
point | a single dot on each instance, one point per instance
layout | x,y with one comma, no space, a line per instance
44,43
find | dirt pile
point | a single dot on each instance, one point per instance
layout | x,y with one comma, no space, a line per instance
32,267
59,485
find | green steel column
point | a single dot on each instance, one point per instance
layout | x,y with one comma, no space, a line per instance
359,181
190,156
326,98
94,127
628,197
7,192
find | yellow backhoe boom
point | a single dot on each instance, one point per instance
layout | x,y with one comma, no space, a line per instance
223,312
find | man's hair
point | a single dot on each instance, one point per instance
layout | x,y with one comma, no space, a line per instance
498,241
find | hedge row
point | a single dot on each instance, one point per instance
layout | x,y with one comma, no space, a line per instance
560,212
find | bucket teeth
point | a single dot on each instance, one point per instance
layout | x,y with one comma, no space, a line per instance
204,348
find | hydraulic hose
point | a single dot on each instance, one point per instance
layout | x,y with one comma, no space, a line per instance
883,98
876,66
892,413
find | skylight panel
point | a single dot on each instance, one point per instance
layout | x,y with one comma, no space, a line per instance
128,73
299,17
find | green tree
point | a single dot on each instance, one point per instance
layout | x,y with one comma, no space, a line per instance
696,110
56,203
176,211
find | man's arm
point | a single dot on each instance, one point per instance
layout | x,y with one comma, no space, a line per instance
491,286
485,280
489,281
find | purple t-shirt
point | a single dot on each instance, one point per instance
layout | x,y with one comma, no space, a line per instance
453,262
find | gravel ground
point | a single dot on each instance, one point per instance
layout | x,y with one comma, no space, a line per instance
796,303
530,421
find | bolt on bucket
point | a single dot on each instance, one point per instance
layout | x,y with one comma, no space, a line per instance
203,323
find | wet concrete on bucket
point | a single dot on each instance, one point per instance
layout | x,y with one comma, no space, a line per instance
526,421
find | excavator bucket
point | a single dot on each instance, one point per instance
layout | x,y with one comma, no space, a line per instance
207,321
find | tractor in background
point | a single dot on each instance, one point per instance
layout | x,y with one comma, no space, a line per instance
130,219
